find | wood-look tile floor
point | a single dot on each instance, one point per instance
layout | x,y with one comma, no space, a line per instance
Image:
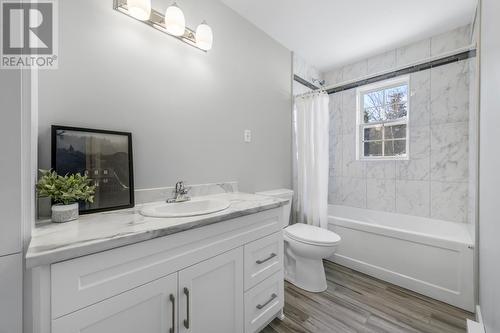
355,302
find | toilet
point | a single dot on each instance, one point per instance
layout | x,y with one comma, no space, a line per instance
305,248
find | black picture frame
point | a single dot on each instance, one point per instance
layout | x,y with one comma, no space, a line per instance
95,208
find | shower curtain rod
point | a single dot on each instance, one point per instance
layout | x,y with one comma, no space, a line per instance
304,82
461,55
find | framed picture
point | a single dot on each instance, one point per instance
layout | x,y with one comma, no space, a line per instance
104,156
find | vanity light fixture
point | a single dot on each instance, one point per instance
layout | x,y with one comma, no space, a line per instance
140,9
204,36
172,23
175,23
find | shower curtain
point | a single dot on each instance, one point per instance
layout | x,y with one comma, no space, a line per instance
311,158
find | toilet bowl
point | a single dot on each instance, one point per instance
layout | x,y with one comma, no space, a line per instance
305,248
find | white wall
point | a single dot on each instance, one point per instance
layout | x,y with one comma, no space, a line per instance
187,110
489,181
434,182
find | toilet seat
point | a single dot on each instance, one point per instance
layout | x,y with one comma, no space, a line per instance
309,234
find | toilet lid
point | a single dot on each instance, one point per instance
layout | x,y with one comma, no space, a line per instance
311,234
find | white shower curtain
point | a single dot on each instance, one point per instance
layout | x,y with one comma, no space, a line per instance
311,158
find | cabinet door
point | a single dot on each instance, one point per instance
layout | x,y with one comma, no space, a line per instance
211,295
146,309
11,293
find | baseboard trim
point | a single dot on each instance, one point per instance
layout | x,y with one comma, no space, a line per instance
476,326
479,316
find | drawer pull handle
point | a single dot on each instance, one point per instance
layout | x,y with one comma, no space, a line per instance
172,299
260,262
186,321
261,306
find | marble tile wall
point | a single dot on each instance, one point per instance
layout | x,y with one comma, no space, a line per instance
305,71
403,56
434,182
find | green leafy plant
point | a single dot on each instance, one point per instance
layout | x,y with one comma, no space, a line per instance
65,189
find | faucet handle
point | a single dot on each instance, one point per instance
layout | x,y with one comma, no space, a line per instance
179,186
179,193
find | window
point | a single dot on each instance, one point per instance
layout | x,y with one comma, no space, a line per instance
382,120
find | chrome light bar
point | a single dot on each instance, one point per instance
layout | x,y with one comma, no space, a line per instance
157,21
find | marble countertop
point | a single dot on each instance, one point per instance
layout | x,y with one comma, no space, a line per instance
93,233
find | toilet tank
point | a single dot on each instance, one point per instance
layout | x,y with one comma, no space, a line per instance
282,194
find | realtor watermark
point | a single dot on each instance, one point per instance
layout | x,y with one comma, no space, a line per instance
29,37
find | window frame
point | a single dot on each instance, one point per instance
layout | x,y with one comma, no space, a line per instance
361,125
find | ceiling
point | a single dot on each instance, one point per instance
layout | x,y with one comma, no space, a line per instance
331,33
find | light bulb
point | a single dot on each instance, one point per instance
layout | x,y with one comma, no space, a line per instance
140,9
204,36
175,23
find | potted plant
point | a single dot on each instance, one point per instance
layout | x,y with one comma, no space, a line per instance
65,192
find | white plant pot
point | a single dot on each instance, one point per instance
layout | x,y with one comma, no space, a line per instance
64,213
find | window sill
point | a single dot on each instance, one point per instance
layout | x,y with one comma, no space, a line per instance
388,158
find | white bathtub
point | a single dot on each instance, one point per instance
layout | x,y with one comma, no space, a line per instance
431,257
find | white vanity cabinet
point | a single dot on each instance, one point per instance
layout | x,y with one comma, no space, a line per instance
226,277
206,297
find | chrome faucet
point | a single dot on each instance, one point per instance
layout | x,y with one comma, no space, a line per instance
180,193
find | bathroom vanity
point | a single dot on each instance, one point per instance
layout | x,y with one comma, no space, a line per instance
125,273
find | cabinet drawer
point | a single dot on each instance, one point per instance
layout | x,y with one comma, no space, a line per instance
263,258
263,302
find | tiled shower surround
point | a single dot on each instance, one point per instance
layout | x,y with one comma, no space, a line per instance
434,181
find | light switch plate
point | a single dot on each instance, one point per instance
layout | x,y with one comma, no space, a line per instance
247,136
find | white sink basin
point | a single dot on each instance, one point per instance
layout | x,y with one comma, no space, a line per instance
187,208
